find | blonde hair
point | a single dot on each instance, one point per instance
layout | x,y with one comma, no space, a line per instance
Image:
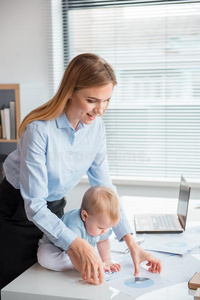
84,71
101,200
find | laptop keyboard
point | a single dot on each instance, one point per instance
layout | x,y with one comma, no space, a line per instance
164,222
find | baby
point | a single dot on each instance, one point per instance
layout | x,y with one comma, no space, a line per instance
99,212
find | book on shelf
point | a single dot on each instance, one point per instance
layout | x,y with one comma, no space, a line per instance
7,122
3,124
12,121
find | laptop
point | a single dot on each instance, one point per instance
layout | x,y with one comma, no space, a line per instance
166,223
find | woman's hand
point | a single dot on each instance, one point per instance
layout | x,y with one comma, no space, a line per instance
90,264
139,255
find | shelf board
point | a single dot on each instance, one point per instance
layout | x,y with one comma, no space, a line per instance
8,141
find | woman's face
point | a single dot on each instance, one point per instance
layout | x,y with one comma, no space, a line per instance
86,104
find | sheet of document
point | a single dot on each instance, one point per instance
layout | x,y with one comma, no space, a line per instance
179,268
175,269
121,247
173,243
134,286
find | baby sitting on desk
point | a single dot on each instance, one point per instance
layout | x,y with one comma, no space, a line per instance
99,212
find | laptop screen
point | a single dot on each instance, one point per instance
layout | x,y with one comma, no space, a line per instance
184,195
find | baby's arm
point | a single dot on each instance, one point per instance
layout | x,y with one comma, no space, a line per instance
103,247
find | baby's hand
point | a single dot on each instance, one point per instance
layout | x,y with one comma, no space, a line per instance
110,267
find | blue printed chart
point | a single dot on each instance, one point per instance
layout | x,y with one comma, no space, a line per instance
139,282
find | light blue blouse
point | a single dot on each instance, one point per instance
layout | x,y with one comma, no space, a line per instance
72,220
50,159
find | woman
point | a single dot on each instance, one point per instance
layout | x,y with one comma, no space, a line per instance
59,142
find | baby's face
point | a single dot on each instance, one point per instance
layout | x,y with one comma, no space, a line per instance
97,225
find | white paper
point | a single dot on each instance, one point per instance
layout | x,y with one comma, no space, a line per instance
173,243
175,269
121,247
179,268
134,286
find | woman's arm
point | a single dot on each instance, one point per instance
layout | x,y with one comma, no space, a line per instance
34,183
139,255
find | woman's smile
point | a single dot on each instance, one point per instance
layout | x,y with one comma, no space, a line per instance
86,104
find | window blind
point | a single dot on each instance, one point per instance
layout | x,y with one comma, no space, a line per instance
153,119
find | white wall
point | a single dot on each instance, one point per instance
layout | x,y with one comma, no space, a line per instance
23,43
151,188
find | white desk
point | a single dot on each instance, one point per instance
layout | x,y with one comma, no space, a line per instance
39,283
178,291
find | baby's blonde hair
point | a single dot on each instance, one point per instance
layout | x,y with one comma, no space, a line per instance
101,200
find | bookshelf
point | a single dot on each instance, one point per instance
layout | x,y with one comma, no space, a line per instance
8,93
27,96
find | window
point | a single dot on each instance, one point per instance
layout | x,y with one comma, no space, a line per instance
153,119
